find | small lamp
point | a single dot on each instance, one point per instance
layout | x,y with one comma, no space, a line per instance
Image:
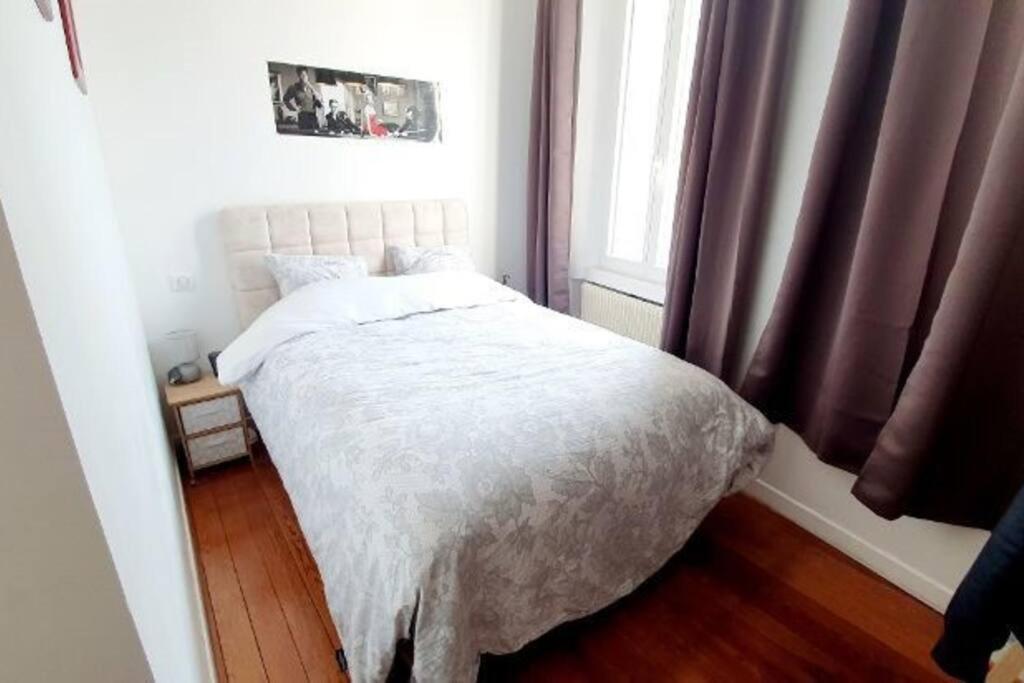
183,352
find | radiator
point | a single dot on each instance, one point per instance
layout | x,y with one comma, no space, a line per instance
621,313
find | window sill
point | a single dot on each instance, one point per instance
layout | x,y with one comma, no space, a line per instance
649,290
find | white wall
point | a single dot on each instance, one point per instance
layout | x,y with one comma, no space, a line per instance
926,559
62,613
53,187
180,90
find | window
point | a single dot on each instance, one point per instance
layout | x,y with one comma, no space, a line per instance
654,88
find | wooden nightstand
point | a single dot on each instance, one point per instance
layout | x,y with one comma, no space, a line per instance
212,422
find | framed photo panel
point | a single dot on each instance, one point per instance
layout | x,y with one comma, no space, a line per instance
323,102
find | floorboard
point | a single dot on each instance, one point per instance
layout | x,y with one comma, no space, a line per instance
277,647
752,597
232,628
298,605
294,543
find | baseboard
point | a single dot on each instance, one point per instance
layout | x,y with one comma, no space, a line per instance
199,616
891,568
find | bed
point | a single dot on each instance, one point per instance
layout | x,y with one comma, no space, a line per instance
469,469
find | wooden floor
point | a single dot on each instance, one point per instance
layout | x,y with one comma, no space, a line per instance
753,597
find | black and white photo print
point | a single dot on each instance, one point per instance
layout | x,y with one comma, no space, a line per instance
332,103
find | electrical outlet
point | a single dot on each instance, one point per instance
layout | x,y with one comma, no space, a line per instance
181,282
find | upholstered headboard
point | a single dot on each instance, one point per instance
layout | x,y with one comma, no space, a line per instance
363,228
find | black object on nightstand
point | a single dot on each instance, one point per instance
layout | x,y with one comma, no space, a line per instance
213,362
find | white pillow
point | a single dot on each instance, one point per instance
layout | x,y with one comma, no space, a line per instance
418,260
293,271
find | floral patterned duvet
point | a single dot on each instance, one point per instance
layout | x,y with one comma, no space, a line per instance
473,477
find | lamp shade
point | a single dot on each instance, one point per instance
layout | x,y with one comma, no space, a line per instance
182,346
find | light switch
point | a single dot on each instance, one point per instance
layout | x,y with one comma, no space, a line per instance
182,282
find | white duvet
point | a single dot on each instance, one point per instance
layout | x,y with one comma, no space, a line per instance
470,469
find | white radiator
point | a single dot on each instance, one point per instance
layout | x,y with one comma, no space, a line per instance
621,313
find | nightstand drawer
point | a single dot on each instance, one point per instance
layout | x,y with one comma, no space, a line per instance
217,412
213,448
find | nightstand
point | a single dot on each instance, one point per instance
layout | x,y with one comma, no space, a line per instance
211,420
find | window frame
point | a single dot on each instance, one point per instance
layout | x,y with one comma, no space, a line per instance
675,77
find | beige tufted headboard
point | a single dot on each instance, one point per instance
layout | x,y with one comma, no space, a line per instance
363,228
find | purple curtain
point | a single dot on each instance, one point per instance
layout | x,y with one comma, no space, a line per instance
730,126
896,345
552,124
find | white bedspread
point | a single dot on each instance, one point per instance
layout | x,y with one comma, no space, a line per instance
479,473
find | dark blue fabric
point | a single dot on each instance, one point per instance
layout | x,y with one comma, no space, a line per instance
989,603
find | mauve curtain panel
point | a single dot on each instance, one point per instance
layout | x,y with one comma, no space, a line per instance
552,125
896,344
730,126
